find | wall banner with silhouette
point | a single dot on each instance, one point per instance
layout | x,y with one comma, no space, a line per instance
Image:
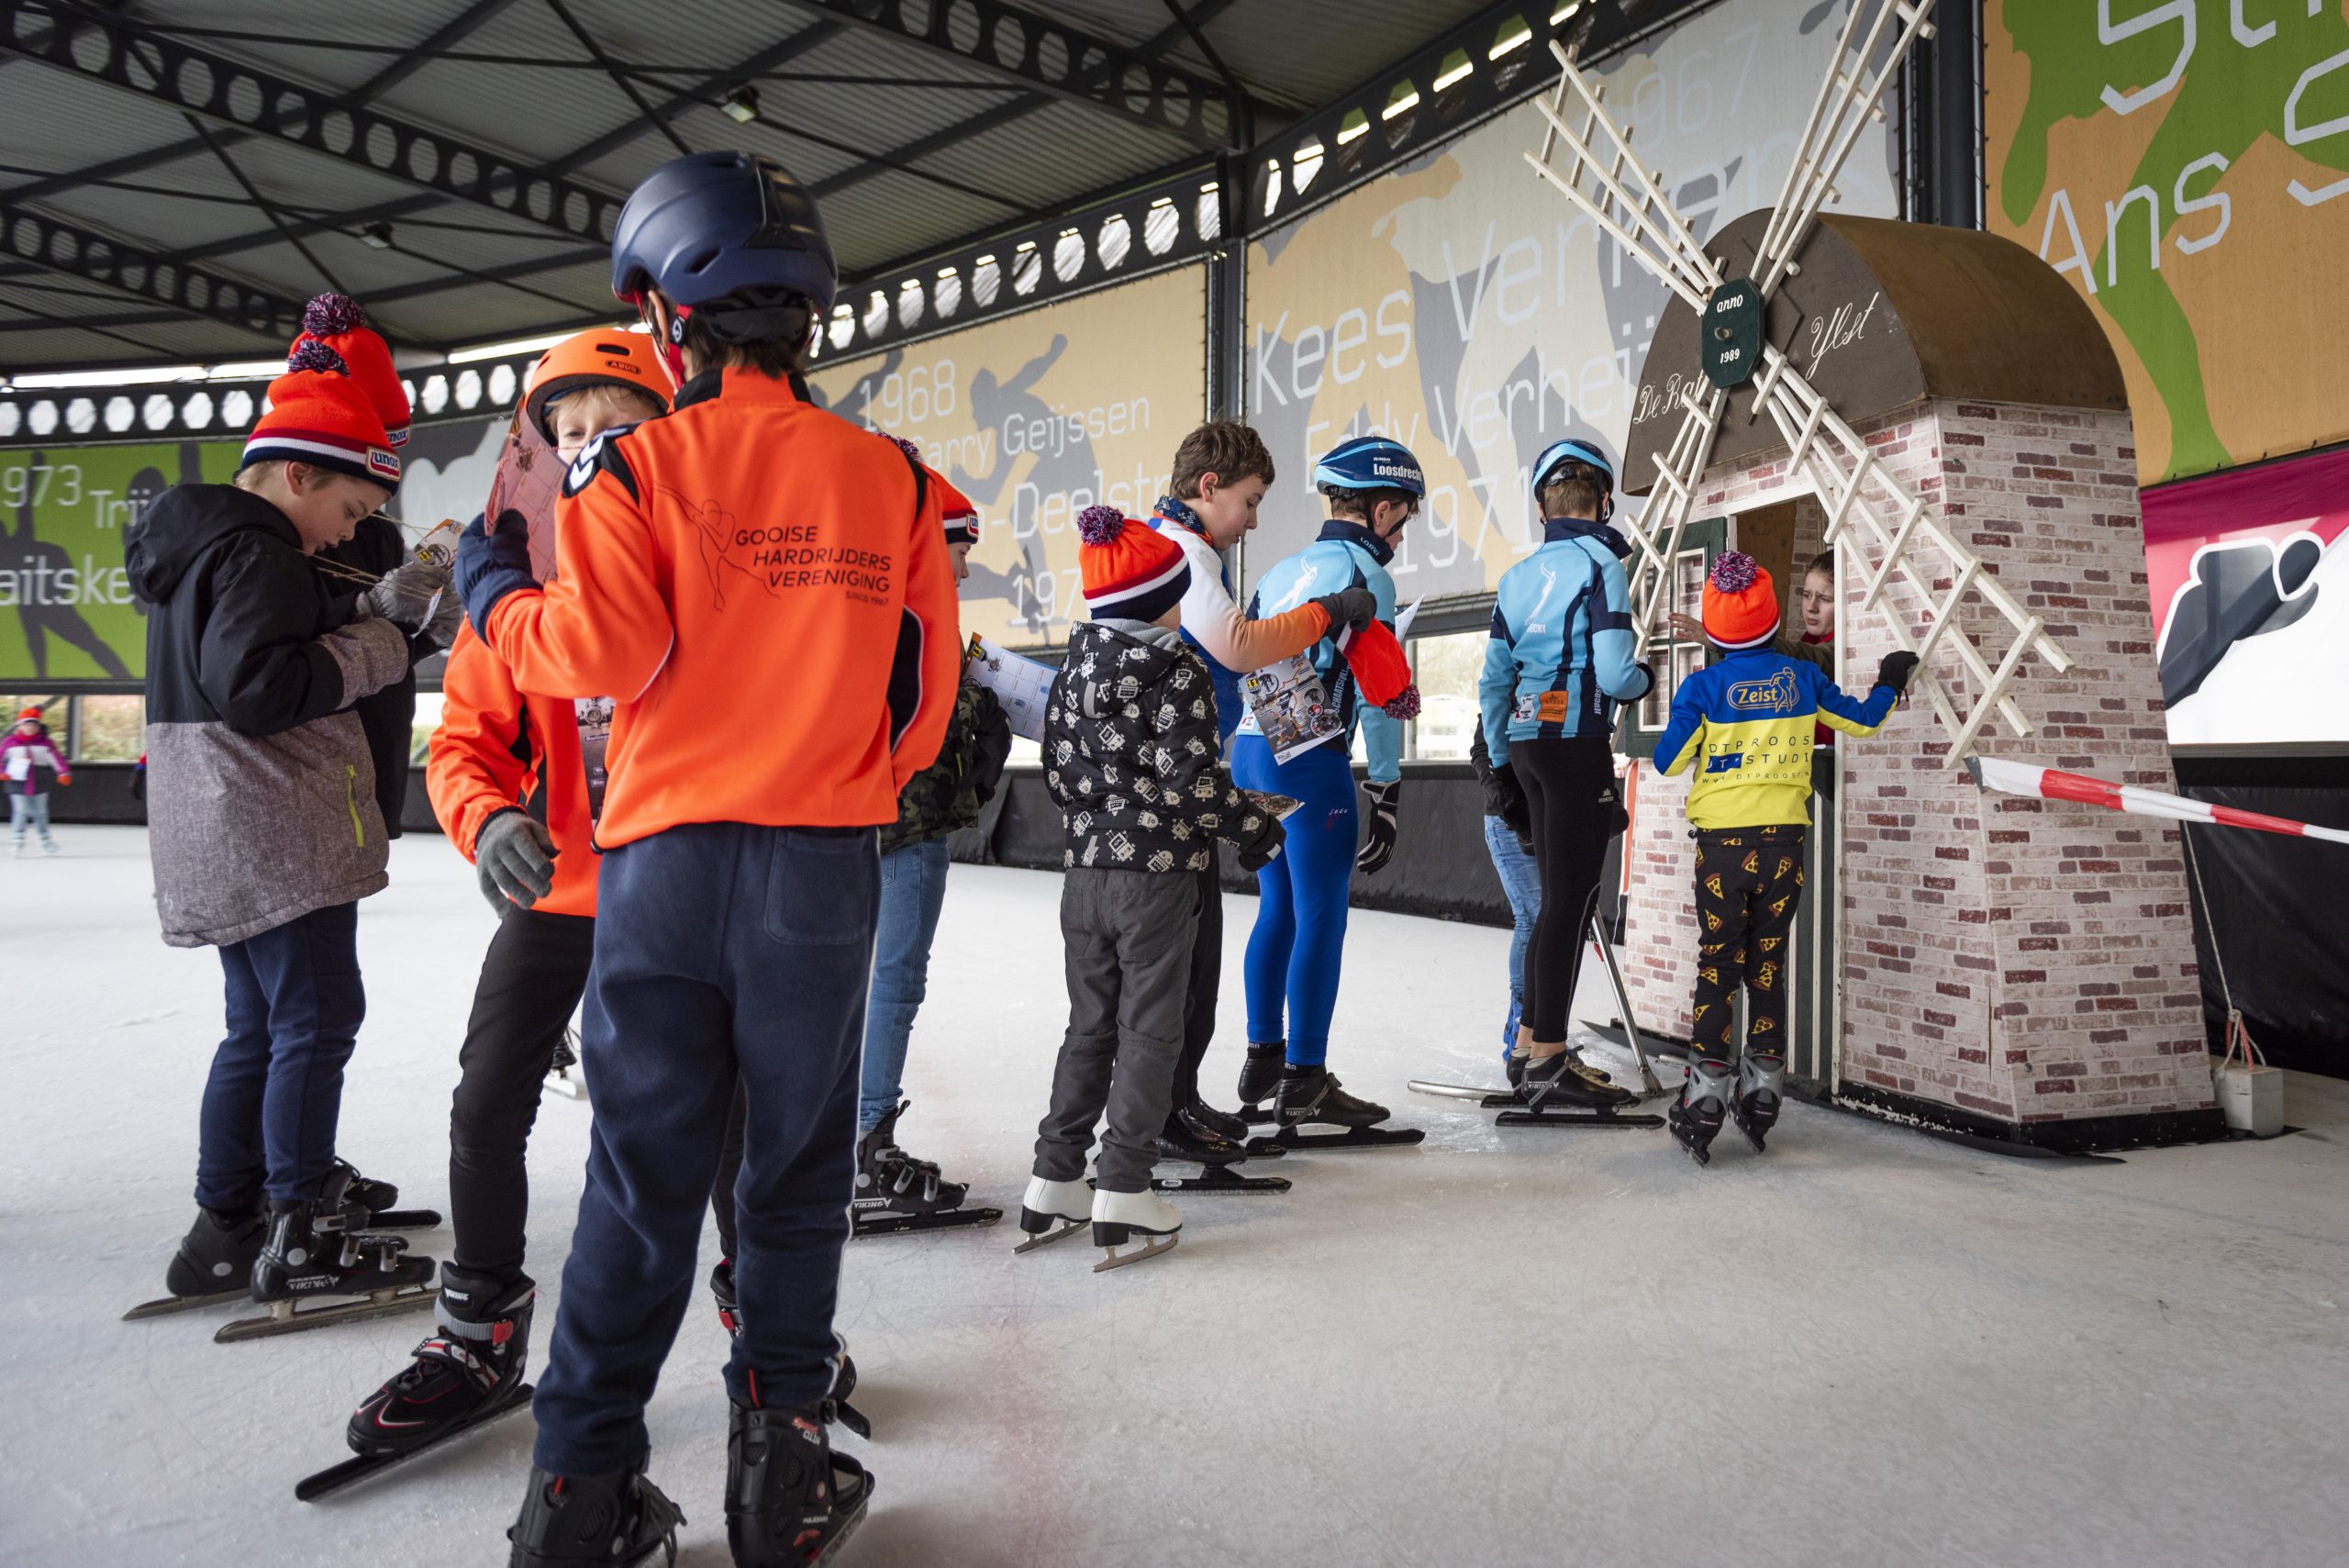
1035,417
1463,307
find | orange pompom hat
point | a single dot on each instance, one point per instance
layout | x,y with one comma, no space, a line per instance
323,419
1132,571
1741,602
338,323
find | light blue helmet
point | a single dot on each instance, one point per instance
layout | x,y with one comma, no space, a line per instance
1371,463
1574,448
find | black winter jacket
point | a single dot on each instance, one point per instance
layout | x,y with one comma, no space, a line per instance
261,795
1131,758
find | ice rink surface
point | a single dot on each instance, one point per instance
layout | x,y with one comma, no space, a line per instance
1866,1347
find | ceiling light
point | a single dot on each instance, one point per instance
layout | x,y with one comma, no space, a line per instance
741,104
377,234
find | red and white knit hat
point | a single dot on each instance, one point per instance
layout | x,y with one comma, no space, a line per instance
1132,571
338,323
322,419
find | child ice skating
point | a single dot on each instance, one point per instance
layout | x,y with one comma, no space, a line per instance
1131,759
23,754
265,829
1748,718
511,790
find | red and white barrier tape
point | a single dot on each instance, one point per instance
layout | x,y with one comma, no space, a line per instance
2048,783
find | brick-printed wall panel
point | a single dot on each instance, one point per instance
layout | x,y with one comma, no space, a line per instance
2016,958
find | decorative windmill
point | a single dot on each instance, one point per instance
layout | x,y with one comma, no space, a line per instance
1872,520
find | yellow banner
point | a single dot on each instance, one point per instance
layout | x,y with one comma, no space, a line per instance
1035,417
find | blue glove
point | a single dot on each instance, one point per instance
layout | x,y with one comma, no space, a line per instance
492,566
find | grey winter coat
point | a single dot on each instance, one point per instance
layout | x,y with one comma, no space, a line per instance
260,790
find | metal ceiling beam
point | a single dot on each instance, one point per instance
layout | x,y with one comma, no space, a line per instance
1202,13
445,37
74,252
102,47
1054,59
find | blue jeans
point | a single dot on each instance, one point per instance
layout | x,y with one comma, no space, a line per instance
1522,885
295,1004
1301,934
913,889
722,951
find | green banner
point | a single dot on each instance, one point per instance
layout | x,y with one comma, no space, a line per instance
65,602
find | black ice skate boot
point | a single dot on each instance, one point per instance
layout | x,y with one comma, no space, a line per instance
895,1192
214,1263
721,1287
467,1373
1202,1120
1566,1079
1260,1078
1179,1140
790,1500
376,1197
1696,1116
1311,1095
613,1520
1761,1089
316,1249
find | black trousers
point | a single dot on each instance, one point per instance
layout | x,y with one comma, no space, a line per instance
1204,984
531,980
1749,884
1575,808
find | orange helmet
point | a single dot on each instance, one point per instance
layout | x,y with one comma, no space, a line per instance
600,354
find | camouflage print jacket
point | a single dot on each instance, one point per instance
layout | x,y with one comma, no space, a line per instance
946,796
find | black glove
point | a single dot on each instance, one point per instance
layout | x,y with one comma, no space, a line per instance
1648,670
1896,670
1379,847
514,857
1264,847
1355,607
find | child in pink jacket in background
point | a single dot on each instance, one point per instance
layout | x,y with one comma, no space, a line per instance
23,754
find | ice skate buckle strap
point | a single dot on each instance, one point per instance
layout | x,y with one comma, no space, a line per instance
496,1333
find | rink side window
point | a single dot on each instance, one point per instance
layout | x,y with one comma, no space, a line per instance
1447,668
109,729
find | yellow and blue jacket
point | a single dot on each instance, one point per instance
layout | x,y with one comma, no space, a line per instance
1749,720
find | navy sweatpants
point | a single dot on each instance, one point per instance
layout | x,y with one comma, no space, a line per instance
721,949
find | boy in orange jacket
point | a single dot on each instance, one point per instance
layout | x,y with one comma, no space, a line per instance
516,782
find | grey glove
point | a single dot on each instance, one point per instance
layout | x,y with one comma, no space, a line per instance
1378,848
405,595
514,857
448,615
1355,607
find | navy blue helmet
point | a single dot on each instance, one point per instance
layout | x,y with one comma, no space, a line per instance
1371,463
731,227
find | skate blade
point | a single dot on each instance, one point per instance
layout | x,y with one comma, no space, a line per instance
903,1223
352,1472
163,1306
1574,1119
1068,1227
1460,1091
1214,1179
1258,1115
292,1318
1289,1138
404,1219
1150,1246
564,1084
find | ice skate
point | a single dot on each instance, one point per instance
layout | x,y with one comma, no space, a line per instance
1513,1104
1201,1120
1696,1116
315,1250
1568,1080
729,1307
730,1317
1047,1204
1118,1217
615,1520
1760,1090
1260,1080
562,1072
1311,1097
789,1498
51,846
379,1198
1214,1155
213,1264
467,1374
896,1193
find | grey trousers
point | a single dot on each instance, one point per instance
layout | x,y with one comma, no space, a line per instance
1129,937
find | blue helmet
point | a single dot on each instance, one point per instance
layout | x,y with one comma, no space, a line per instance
1371,463
712,226
1575,449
